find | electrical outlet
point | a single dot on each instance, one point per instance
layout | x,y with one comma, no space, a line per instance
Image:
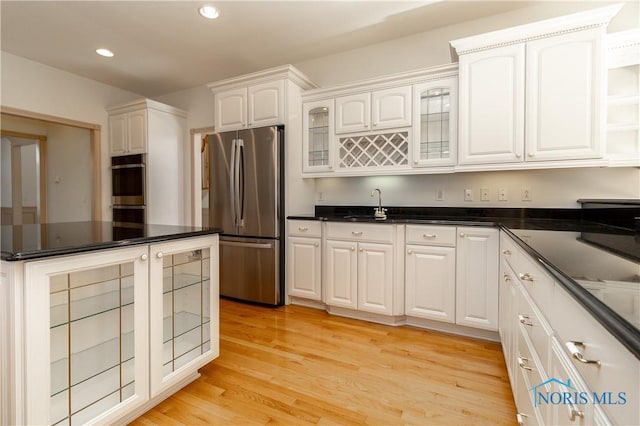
526,194
468,194
502,194
320,196
440,195
484,194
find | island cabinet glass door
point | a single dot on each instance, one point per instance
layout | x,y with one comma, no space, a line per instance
86,336
184,310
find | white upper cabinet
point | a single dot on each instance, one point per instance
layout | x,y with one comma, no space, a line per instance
565,94
254,106
128,133
317,136
491,116
535,92
435,122
381,109
231,110
353,113
266,104
391,108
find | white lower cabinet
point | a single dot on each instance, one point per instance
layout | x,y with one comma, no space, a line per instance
304,267
360,267
430,272
97,336
477,277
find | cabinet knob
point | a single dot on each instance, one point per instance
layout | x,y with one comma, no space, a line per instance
506,278
520,418
415,161
522,363
574,412
361,249
462,235
159,255
353,248
524,319
518,156
531,154
316,244
409,252
330,167
143,256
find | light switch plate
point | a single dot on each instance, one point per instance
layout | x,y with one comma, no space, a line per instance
468,194
526,194
484,194
502,194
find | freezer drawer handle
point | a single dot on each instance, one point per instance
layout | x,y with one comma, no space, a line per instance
247,245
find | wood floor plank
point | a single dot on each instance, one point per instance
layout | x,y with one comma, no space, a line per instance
297,366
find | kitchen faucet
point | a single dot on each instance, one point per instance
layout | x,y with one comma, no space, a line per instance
379,213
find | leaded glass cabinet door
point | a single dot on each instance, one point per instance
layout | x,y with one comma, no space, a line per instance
183,309
318,136
435,123
86,338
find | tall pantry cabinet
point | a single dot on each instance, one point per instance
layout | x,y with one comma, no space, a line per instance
159,132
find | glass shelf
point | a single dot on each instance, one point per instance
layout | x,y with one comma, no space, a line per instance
318,137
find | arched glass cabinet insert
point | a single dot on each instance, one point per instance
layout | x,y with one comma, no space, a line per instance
435,122
318,133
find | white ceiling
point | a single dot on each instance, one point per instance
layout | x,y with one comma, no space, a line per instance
165,46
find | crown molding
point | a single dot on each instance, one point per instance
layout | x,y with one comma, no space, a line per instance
144,103
285,72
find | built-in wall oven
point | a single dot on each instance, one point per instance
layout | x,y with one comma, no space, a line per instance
128,190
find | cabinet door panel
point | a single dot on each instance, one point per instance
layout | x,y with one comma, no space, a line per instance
477,278
375,278
118,134
231,110
303,265
341,274
266,104
353,113
317,136
391,108
431,282
137,132
491,115
564,96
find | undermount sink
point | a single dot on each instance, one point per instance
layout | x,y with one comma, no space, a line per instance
355,217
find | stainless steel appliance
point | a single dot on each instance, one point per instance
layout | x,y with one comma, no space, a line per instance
246,199
128,190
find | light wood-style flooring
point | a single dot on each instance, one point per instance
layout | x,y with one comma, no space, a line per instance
295,365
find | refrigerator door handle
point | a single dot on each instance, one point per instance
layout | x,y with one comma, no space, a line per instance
240,187
247,245
232,182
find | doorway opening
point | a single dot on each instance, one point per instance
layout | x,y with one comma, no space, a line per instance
200,175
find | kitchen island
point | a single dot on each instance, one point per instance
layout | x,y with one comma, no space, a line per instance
101,322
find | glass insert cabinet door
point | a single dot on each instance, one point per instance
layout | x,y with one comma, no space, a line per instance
183,310
318,136
435,122
86,336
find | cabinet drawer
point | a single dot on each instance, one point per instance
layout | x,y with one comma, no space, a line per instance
533,324
360,232
536,281
431,235
305,228
618,371
527,361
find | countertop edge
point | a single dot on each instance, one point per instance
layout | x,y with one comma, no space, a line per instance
47,253
620,328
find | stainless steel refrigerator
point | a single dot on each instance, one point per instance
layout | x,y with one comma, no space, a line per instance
246,201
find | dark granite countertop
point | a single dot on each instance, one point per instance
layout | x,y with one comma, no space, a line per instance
28,242
597,263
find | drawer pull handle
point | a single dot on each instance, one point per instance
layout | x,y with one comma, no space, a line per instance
428,236
506,278
574,412
356,233
520,418
524,319
506,252
521,363
526,277
303,228
577,354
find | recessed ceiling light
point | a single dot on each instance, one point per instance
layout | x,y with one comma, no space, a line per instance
104,52
209,12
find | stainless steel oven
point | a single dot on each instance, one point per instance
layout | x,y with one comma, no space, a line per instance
128,190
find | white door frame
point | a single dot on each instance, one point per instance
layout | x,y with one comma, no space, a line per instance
196,173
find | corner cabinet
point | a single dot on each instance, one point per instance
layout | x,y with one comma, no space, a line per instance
94,337
534,93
